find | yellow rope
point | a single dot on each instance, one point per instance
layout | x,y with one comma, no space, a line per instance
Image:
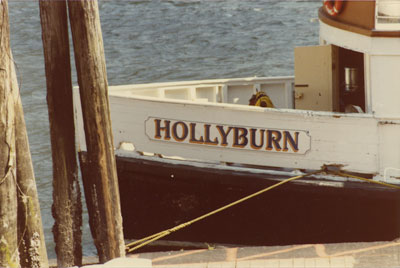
142,242
339,173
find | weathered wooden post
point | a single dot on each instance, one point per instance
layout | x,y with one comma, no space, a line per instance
9,256
100,177
32,247
67,207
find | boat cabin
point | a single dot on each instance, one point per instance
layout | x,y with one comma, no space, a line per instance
363,41
342,107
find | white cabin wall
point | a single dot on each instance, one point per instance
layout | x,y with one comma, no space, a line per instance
78,117
381,67
382,88
367,83
358,42
389,149
385,85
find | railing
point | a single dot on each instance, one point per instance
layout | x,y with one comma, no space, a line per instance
234,91
387,15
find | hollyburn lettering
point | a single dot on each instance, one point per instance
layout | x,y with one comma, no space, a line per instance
251,138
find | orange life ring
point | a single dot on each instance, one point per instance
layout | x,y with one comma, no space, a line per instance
333,7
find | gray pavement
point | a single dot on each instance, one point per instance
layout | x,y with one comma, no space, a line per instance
371,254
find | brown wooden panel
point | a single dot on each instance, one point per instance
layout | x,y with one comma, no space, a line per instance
356,13
357,17
359,13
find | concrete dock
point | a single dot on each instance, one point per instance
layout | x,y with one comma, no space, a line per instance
371,254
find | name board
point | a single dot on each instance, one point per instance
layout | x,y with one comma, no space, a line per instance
228,136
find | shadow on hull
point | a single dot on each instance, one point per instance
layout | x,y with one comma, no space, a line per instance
156,196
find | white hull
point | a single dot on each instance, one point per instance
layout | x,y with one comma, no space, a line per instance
210,121
185,148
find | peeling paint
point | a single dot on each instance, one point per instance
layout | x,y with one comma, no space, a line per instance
387,122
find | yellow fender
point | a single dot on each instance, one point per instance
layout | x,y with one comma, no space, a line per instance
262,100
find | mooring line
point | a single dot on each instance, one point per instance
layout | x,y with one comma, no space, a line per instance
147,240
341,174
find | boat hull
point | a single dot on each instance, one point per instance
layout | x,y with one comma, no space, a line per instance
157,195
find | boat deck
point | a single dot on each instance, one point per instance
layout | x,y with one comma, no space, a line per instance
372,254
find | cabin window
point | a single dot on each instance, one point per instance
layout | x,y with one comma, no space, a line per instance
351,81
387,15
329,78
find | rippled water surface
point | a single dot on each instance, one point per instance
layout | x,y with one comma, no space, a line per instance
154,41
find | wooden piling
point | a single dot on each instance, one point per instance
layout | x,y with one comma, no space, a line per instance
67,207
101,189
32,246
9,256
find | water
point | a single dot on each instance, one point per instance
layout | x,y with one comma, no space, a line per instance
155,41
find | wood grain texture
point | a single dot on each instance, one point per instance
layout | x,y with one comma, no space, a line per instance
32,247
67,207
101,192
9,256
